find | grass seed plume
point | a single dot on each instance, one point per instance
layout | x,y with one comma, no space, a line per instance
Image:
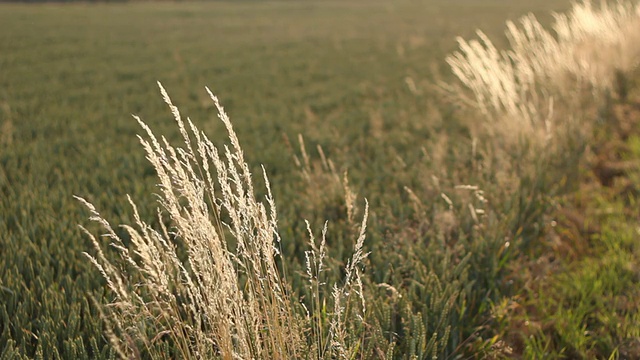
534,86
205,283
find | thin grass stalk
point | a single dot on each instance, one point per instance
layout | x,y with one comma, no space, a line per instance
221,301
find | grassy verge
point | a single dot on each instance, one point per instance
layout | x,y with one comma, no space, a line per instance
581,288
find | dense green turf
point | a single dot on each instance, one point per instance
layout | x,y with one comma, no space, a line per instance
353,77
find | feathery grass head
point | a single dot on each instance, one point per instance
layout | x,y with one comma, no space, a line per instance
537,84
206,283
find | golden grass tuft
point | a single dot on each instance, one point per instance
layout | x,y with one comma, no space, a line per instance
206,282
535,86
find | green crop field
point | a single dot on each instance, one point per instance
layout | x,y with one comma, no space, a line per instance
356,79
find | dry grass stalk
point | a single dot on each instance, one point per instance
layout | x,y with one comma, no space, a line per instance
522,85
324,186
208,285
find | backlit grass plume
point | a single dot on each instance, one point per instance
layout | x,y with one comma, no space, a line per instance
584,51
205,283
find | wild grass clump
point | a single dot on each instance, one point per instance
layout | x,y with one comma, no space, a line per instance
207,281
535,86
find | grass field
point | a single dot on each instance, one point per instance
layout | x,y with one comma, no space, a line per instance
352,77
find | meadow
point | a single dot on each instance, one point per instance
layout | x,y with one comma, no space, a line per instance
318,92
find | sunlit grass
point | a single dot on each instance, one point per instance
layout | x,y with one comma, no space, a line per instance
337,106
